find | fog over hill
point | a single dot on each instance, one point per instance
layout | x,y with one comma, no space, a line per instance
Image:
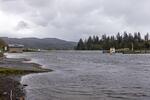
45,43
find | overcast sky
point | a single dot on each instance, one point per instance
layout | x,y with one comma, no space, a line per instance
72,19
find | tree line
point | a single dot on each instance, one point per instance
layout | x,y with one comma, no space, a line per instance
126,40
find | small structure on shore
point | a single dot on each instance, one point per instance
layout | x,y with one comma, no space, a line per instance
112,50
15,48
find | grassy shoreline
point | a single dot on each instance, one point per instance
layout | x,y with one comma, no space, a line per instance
11,71
20,66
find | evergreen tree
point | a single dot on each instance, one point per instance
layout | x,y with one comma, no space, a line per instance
89,43
146,37
80,45
119,42
139,36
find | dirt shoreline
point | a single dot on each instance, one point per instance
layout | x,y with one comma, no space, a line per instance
11,71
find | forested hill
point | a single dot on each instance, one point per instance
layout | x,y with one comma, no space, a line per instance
127,40
45,43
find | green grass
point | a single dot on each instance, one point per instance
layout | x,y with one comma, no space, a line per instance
11,71
15,71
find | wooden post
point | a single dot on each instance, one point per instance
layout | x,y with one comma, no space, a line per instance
21,98
132,47
11,95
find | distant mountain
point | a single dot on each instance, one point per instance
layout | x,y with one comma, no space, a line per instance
45,43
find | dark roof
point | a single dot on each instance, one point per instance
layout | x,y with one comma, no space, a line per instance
15,46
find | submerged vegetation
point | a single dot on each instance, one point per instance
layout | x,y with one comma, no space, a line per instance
127,40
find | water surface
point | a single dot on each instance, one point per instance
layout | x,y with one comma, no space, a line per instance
88,75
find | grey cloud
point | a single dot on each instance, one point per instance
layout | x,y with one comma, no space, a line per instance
39,3
13,6
22,25
135,13
79,18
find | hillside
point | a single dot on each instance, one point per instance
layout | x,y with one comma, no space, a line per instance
45,43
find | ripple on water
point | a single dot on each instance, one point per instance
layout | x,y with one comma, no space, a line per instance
89,76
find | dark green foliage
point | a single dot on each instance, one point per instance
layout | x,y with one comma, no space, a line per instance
127,40
2,44
80,45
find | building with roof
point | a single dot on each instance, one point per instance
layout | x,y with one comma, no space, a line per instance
15,48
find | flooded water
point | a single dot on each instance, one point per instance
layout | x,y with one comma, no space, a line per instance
88,75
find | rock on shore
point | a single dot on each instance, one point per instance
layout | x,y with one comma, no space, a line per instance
9,86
